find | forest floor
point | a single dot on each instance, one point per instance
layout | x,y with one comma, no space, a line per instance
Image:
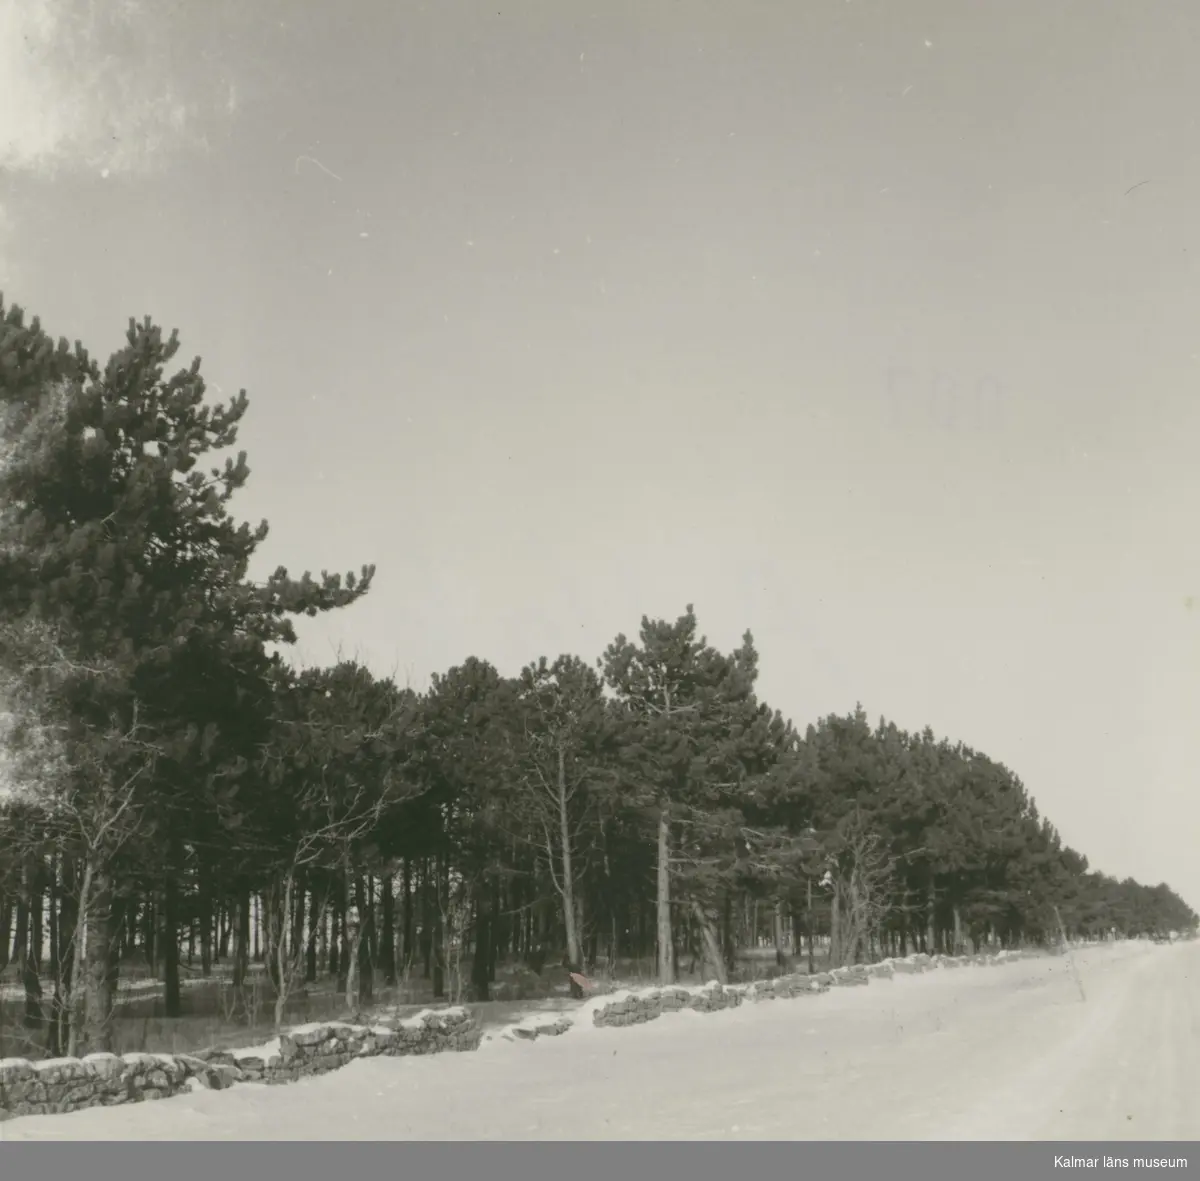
1021,1051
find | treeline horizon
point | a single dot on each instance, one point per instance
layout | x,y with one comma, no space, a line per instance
167,768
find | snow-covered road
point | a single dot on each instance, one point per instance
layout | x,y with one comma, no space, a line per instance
1009,1052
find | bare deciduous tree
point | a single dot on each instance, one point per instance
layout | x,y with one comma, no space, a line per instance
861,884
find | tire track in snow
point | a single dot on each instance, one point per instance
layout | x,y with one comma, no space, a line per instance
1112,1067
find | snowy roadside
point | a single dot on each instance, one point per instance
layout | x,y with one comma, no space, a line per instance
994,1052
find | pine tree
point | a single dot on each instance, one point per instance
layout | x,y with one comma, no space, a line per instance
694,746
561,739
117,549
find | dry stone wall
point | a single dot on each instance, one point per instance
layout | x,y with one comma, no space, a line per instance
99,1080
635,1008
69,1084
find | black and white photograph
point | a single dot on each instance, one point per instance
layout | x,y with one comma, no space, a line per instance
607,571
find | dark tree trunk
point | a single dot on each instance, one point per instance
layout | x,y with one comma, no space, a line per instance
6,930
408,950
343,961
427,921
273,921
95,1033
387,930
25,957
438,935
36,901
205,918
479,961
502,929
364,889
120,942
316,919
68,914
299,894
728,940
149,942
170,941
494,943
116,922
53,1044
333,935
241,940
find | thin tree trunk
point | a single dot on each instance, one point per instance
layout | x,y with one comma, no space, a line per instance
809,924
316,928
205,917
387,932
116,943
149,943
53,1042
74,1000
172,1000
438,935
26,958
494,941
567,886
479,960
711,946
21,927
284,960
6,930
36,911
68,937
96,1033
425,936
241,941
835,932
296,945
365,892
354,938
324,935
335,917
273,921
666,945
407,951
348,936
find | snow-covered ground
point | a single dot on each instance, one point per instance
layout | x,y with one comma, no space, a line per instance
1009,1052
127,990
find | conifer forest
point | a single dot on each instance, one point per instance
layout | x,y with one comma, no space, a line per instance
175,791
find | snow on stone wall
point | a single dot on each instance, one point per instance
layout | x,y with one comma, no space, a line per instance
68,1084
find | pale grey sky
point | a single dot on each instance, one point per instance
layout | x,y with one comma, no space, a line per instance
842,320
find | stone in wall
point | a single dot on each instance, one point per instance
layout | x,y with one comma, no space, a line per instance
788,986
531,1030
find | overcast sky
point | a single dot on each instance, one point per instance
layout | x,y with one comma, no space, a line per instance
871,327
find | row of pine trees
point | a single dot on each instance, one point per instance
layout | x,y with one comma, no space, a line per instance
170,783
